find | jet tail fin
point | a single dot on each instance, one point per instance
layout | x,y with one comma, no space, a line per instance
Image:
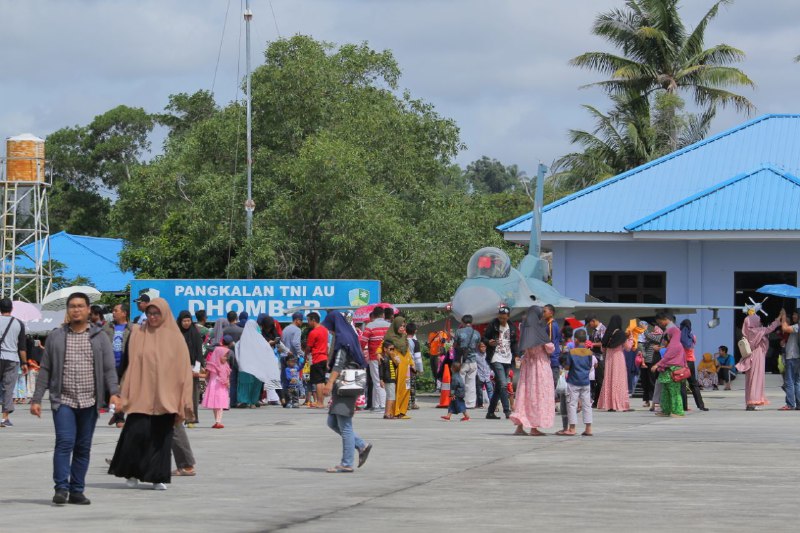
533,266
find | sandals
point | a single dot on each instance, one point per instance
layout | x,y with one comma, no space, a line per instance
363,455
178,472
565,433
339,469
584,434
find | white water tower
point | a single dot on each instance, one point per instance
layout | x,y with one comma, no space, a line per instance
24,228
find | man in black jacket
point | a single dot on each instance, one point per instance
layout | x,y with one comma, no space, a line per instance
500,337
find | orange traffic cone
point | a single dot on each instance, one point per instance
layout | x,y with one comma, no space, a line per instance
444,398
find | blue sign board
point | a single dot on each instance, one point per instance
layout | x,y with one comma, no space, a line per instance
272,296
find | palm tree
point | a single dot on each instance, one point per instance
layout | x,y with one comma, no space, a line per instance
659,54
628,136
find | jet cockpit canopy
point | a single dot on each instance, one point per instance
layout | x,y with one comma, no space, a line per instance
489,263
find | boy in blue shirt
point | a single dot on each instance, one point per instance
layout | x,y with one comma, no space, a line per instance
579,364
727,367
294,379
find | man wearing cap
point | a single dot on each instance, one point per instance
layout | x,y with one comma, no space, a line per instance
141,303
500,338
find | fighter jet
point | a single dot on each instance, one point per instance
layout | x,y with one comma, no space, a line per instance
492,281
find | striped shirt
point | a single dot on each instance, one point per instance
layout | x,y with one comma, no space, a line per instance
372,337
78,389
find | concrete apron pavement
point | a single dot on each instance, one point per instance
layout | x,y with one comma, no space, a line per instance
725,469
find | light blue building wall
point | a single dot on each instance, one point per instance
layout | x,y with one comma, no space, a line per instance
697,272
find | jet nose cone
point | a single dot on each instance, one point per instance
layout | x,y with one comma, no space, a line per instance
480,302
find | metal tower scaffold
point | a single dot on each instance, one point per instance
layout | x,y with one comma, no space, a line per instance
26,272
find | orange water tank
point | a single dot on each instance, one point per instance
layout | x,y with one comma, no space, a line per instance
25,158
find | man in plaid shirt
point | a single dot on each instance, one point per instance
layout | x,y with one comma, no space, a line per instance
78,368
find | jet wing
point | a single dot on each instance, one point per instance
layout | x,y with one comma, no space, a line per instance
604,310
423,306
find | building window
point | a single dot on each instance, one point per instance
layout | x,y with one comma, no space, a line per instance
629,287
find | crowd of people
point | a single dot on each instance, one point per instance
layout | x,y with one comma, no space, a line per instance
153,374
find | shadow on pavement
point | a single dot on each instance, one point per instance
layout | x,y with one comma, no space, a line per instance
47,503
303,469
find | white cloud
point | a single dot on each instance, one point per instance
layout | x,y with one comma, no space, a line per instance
499,67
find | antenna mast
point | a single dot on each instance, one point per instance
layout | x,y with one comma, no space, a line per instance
249,205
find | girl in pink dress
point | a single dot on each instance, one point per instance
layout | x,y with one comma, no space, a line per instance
753,366
534,404
217,395
614,394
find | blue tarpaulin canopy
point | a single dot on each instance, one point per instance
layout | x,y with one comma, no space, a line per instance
781,290
95,258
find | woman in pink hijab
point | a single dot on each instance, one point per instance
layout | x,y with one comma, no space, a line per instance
753,366
673,359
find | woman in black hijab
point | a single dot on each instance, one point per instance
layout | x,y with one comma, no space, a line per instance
614,336
535,404
614,394
195,343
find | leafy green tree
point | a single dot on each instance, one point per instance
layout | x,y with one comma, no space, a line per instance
348,173
658,53
117,140
185,110
86,159
490,176
77,211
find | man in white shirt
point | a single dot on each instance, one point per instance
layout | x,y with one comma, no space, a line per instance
500,338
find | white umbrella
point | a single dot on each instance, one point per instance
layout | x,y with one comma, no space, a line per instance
57,301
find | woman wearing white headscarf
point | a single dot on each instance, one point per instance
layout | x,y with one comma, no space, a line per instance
257,365
535,405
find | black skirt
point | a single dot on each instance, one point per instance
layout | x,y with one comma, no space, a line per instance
144,449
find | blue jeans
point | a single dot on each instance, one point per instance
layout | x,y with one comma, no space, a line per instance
792,382
74,432
343,425
489,392
500,387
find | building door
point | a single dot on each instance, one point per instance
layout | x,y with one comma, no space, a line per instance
745,285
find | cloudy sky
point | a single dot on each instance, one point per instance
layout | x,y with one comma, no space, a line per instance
498,67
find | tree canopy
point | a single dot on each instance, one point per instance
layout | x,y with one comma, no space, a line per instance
352,178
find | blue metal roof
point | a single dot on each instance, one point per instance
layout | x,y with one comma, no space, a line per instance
96,258
764,199
770,141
